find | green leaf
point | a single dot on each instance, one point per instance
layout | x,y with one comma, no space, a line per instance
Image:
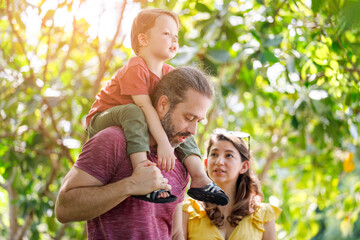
219,56
202,7
273,42
267,56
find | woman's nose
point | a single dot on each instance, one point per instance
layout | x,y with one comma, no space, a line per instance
219,160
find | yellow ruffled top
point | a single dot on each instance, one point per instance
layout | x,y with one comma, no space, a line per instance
250,227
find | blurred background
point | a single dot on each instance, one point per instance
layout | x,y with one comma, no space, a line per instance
285,71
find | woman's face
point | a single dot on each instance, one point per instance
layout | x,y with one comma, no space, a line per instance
224,163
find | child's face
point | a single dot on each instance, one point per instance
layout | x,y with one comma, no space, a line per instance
163,38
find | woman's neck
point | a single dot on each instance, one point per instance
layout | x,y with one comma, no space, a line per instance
155,65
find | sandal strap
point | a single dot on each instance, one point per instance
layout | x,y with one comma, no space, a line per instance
155,194
212,187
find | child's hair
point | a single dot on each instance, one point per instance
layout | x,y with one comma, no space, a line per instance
144,21
248,192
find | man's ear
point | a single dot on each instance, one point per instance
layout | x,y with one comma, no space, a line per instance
143,39
163,106
245,167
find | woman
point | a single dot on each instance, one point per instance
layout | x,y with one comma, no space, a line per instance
245,217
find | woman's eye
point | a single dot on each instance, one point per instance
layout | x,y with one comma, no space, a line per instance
213,154
229,155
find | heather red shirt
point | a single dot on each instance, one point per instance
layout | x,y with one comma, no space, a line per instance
135,78
104,157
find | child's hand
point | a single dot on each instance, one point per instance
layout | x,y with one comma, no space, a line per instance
166,157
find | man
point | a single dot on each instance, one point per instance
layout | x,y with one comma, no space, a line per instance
99,186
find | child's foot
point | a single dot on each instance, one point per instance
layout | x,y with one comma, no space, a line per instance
159,196
210,193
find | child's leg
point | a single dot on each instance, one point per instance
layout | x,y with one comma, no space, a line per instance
189,155
132,120
195,167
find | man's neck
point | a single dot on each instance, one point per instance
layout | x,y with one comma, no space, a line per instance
154,64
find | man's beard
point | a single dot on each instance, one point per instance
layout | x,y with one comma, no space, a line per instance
169,129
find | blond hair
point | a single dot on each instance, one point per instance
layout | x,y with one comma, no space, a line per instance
144,21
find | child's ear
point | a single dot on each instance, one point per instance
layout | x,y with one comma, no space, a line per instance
143,39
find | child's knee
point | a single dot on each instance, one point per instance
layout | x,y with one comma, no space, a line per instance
133,111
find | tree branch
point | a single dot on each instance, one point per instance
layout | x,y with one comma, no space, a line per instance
61,232
269,160
108,55
22,45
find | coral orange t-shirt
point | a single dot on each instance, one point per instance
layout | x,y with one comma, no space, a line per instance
135,78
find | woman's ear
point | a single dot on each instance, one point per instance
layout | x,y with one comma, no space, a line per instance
143,39
245,166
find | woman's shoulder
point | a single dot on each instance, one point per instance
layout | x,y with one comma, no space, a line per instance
266,212
193,208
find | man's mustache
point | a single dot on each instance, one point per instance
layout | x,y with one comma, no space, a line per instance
183,134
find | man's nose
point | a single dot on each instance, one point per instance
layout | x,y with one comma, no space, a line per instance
192,128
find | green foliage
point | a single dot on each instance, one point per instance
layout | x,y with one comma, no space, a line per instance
286,71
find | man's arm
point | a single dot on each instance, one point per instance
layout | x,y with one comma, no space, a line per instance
177,223
83,197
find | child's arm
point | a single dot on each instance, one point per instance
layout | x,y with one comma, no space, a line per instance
166,155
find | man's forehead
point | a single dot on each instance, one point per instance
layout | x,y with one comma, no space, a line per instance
195,104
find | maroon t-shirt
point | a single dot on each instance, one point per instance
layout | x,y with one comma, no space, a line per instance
104,157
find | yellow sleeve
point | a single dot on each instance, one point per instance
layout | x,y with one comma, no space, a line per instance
271,212
193,208
265,213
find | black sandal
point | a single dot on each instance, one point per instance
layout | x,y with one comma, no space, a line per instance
154,197
210,193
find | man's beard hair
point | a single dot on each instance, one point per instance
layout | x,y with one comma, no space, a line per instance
169,129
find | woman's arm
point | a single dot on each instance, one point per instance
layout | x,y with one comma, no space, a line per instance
270,231
185,220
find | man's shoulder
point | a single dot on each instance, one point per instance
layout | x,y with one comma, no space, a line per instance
109,134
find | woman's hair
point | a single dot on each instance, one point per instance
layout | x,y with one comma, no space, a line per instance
248,192
144,21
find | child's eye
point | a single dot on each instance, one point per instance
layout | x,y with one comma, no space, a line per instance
166,33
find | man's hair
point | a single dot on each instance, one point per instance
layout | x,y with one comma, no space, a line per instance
144,21
175,84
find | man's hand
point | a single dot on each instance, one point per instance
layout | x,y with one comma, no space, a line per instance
166,156
147,178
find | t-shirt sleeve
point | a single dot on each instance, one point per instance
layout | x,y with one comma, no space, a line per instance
99,155
134,81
